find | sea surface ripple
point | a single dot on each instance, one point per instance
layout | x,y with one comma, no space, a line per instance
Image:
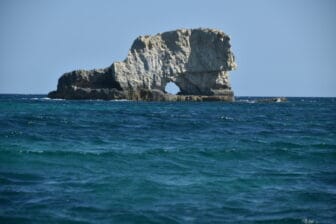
64,161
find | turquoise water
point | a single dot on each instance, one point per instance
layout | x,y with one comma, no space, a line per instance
139,162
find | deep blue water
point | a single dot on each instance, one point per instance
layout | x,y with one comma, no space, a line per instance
145,162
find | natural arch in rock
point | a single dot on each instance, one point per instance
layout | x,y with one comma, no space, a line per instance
198,61
172,88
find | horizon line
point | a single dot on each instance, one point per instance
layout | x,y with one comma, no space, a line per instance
176,94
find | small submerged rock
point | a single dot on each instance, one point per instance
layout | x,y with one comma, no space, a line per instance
271,100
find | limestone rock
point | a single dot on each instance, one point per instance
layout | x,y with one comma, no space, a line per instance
196,60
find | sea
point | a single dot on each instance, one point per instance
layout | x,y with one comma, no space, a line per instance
91,161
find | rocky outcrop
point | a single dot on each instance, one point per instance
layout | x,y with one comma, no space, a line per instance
271,100
196,60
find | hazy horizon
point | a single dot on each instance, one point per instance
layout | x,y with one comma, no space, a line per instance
282,48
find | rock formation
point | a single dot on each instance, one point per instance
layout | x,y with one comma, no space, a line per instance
271,100
196,60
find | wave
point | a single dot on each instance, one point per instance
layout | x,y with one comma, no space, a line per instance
40,99
245,101
85,100
107,152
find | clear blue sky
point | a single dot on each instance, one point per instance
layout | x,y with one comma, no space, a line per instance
282,47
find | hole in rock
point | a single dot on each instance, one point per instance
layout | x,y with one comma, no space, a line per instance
172,88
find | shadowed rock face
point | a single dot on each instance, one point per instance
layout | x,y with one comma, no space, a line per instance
196,60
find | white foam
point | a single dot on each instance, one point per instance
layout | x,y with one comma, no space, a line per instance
308,221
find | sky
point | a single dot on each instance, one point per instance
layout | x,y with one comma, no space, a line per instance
282,47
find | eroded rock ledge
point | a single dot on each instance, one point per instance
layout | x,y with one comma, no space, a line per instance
196,60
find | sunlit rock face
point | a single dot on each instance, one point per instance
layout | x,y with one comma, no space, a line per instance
196,60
